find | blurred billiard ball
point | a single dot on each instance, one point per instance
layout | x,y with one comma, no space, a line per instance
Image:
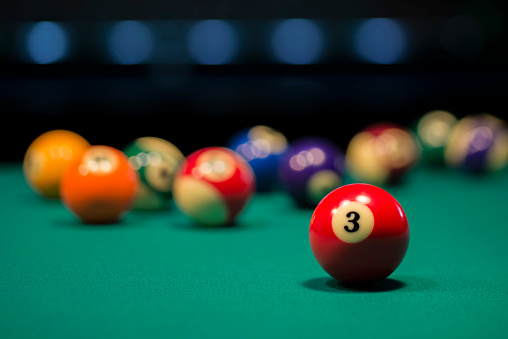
157,162
382,154
261,146
478,143
47,158
311,168
359,233
213,186
433,131
100,187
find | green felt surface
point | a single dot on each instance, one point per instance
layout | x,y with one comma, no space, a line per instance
155,275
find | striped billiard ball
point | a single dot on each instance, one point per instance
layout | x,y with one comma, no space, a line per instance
213,186
478,143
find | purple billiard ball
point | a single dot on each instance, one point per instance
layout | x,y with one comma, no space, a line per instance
478,143
310,169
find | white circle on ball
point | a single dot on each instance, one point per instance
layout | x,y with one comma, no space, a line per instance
352,222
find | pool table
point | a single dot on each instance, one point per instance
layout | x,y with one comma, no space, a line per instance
157,275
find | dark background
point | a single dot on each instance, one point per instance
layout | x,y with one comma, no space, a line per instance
197,105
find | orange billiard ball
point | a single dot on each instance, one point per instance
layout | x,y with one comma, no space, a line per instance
48,157
101,187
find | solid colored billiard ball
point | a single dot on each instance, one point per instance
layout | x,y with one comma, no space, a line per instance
47,158
157,162
382,154
478,143
433,131
262,147
359,233
213,186
100,187
311,168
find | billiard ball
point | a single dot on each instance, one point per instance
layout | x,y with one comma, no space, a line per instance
262,147
359,233
478,143
100,187
47,158
382,154
213,186
156,161
433,131
311,168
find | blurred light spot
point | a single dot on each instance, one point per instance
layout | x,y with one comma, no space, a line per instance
363,199
66,152
296,163
130,42
47,42
144,158
105,165
246,151
206,167
304,159
480,138
318,156
257,149
197,172
54,152
344,203
155,158
263,146
83,169
219,166
297,41
462,37
93,166
212,42
135,162
380,41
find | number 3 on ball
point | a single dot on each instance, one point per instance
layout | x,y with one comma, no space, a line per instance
352,222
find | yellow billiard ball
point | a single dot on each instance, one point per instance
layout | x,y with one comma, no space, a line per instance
382,154
47,158
433,130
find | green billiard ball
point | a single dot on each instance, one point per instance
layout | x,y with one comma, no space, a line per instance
157,162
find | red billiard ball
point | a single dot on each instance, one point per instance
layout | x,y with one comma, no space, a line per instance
359,233
101,186
213,186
